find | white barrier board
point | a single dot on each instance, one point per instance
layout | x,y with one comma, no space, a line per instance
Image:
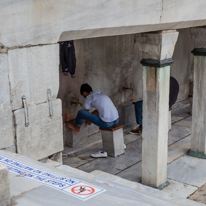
74,187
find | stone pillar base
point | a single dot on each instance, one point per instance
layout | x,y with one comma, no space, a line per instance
162,186
197,154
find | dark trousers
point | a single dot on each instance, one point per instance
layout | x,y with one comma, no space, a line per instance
138,112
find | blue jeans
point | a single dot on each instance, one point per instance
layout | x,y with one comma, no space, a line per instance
138,112
95,119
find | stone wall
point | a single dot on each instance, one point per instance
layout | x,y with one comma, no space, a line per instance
33,22
31,72
6,117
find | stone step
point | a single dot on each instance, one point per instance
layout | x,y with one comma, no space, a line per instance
25,192
139,188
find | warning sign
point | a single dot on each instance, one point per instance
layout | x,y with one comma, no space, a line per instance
71,186
84,191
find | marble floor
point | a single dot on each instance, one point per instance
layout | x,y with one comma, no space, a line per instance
187,175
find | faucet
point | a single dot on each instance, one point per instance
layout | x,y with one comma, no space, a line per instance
124,88
77,102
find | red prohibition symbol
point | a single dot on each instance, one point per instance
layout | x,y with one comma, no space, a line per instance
83,190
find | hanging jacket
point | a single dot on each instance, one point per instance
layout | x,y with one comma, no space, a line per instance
67,57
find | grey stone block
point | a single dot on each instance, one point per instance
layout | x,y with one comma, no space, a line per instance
6,117
113,142
32,71
127,115
44,135
4,186
73,139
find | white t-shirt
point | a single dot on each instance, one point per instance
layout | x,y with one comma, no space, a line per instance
103,104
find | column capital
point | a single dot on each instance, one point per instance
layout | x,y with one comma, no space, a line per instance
199,37
157,48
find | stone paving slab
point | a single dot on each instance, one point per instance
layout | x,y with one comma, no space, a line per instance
94,141
181,109
144,196
74,161
189,170
179,189
199,195
178,149
113,165
177,133
26,185
133,173
187,122
112,197
52,197
113,179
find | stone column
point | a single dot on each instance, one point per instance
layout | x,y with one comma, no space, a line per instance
198,140
157,50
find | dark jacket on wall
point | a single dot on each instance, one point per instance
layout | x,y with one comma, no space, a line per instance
67,57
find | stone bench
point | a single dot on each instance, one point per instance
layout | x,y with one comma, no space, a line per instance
113,140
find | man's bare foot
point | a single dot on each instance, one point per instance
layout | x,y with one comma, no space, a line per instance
72,125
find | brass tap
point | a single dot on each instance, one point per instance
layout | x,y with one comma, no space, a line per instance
124,88
77,102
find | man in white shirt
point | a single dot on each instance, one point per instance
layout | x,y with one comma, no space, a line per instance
104,116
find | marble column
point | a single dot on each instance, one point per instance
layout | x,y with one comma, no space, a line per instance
198,140
157,49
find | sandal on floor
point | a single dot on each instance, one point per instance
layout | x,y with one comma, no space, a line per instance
137,131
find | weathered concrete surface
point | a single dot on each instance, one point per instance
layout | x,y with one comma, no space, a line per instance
4,186
192,172
112,196
26,185
43,136
179,189
32,71
113,142
6,116
134,186
77,20
198,141
199,195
